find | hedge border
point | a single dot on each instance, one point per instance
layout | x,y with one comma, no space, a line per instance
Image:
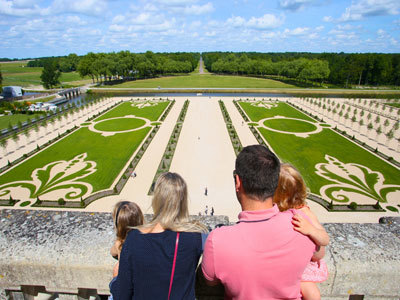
236,144
166,159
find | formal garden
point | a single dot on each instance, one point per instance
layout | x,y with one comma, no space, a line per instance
87,161
339,173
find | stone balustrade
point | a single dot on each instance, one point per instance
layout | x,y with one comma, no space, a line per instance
65,255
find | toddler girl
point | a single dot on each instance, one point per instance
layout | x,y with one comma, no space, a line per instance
291,193
125,216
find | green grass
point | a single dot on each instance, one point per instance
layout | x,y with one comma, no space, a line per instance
14,119
256,113
119,124
203,81
289,125
394,104
306,153
149,112
110,153
17,73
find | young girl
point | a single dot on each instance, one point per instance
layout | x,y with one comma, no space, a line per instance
125,215
291,193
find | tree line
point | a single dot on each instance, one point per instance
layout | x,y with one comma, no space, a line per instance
336,68
122,65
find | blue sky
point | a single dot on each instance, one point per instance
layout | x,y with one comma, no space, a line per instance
58,27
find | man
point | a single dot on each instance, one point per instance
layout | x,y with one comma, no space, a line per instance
262,256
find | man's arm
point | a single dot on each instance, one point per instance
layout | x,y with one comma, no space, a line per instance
207,264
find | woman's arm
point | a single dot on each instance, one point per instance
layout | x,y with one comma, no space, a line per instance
311,228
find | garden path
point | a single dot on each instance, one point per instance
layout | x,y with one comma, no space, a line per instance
205,158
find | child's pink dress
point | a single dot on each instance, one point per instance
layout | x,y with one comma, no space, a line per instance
316,271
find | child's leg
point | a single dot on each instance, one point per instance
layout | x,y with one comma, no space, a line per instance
310,290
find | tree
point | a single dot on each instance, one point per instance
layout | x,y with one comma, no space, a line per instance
1,81
50,75
3,143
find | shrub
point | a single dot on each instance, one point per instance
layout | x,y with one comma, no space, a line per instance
353,205
61,201
330,205
377,205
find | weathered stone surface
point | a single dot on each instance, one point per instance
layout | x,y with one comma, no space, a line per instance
68,252
363,259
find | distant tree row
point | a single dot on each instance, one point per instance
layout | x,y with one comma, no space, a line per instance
336,68
123,64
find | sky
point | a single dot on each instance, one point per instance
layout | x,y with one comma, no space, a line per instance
31,28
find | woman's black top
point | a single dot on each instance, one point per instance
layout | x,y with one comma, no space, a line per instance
146,262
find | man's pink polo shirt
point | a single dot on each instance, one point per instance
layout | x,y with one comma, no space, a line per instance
261,257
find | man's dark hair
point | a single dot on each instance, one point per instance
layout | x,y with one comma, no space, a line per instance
258,168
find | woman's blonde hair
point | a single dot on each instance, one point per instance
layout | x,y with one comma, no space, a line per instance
126,215
291,191
170,205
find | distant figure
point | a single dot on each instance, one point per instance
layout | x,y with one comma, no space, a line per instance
212,210
206,210
134,174
206,191
198,138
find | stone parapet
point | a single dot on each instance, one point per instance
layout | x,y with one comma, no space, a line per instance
67,253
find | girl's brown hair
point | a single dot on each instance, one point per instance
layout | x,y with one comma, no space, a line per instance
291,191
126,215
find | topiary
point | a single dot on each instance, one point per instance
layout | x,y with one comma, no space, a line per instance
353,205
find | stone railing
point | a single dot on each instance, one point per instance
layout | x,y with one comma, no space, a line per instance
65,255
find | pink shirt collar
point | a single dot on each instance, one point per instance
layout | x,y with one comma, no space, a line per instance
258,215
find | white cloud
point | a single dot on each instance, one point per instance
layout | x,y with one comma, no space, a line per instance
14,9
267,21
236,21
199,9
366,8
117,28
76,20
211,33
118,19
176,2
300,31
294,5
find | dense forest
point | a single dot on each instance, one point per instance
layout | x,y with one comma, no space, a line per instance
124,64
336,68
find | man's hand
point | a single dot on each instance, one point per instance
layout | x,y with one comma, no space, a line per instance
301,225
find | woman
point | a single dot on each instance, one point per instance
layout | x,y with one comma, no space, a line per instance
159,259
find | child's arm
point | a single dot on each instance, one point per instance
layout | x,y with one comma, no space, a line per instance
313,229
115,249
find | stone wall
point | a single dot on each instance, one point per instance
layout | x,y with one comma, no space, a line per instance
68,253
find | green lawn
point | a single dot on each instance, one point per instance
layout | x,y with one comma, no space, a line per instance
14,119
203,81
257,113
119,124
17,73
306,153
289,125
153,113
110,153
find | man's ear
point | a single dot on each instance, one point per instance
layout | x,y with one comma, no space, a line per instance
238,183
